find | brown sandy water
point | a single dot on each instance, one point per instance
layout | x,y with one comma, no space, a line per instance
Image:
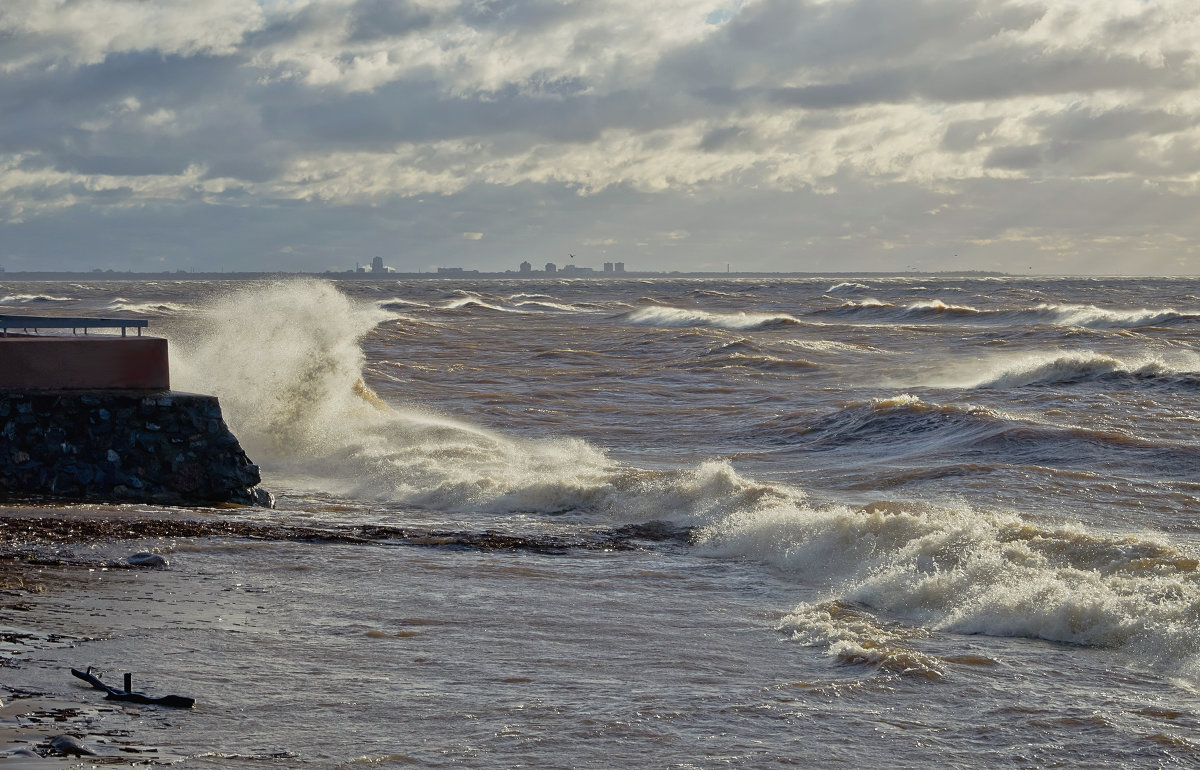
912,522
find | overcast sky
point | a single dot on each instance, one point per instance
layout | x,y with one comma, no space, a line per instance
1044,136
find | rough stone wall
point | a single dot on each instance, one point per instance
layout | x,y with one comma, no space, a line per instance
166,447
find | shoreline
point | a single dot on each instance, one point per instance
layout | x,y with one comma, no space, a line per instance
50,548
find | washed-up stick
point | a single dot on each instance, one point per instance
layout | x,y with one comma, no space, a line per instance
178,701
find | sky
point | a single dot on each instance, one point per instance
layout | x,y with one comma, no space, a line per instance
1023,136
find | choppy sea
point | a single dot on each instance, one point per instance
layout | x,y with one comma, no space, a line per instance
886,522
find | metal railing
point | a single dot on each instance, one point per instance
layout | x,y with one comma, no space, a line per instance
27,322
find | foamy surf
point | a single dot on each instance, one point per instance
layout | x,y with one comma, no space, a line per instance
970,572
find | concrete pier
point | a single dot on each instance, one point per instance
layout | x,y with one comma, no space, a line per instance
92,417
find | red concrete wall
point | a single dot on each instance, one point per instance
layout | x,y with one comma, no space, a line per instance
93,362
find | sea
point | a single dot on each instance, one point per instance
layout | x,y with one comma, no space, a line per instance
905,522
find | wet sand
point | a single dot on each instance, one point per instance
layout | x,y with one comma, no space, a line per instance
40,551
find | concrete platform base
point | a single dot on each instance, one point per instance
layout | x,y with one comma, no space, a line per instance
114,446
92,362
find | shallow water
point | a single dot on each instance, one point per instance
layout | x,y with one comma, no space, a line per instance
933,520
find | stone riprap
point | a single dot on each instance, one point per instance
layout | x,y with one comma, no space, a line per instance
167,447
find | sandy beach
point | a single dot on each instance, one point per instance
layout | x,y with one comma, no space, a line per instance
45,551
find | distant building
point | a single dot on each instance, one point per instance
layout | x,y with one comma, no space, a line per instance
450,270
620,267
608,267
526,267
377,265
572,270
551,267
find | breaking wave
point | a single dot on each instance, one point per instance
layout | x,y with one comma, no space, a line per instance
970,572
26,299
291,389
1086,316
662,316
1071,367
925,310
475,303
122,305
400,304
1094,317
466,301
905,426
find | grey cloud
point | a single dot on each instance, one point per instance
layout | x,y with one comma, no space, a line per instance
989,77
1016,157
884,87
523,15
127,164
380,19
756,229
875,52
841,42
281,30
965,135
39,107
1028,71
719,138
418,111
1069,158
1083,124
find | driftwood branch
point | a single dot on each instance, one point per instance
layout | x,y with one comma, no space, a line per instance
178,701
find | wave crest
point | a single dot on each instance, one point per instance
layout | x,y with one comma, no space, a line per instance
659,315
1063,368
1094,317
26,299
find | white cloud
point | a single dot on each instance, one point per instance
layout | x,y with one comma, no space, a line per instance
85,31
341,104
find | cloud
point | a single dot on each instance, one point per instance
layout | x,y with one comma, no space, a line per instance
365,110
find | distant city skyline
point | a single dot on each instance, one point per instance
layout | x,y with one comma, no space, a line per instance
1023,136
